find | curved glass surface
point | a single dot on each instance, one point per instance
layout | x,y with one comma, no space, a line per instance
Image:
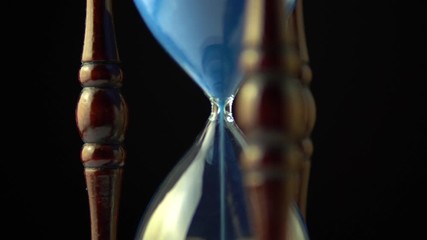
203,197
203,36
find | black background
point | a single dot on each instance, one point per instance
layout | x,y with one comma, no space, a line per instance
369,163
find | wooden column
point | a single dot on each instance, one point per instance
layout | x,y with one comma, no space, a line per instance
305,76
101,117
276,112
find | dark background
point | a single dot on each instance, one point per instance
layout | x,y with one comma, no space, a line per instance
369,163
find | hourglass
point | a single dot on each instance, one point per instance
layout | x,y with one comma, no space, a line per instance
204,197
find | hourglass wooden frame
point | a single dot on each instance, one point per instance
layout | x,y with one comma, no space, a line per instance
101,117
277,119
277,113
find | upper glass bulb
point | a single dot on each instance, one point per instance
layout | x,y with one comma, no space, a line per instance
203,37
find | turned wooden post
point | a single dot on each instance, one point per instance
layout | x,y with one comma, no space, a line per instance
305,76
276,112
101,117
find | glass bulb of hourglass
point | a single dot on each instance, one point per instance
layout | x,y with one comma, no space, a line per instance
203,197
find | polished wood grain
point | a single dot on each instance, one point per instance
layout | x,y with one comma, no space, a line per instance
305,76
276,112
101,117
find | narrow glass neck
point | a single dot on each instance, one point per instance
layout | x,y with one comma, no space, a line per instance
221,108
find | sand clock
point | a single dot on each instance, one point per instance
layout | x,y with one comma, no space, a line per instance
203,196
